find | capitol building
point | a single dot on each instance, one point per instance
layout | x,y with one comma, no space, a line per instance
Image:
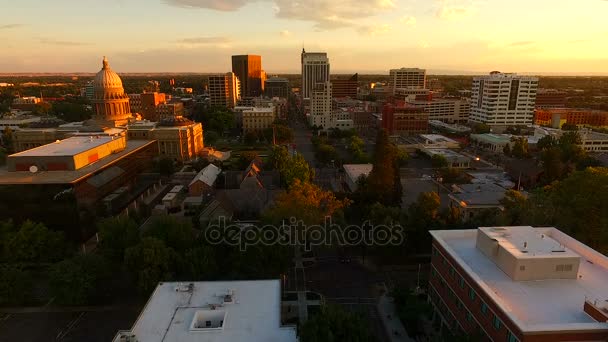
178,138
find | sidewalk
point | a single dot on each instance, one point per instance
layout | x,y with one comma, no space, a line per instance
394,329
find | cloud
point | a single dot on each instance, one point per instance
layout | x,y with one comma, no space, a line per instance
324,14
218,5
10,26
455,10
205,40
374,30
61,42
285,33
408,20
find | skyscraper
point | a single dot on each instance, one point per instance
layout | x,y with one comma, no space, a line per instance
503,99
315,70
248,69
407,78
224,90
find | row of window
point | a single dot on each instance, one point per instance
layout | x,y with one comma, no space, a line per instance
484,309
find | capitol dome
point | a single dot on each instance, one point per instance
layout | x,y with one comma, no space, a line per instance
110,103
107,78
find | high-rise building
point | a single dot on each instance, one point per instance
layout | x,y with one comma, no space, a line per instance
248,69
345,87
551,98
315,70
407,78
224,90
518,284
321,105
277,87
503,99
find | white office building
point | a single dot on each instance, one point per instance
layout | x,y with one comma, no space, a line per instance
450,110
315,70
407,78
212,311
321,106
503,99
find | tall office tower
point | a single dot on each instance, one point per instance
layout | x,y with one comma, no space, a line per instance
224,90
248,69
321,106
345,87
407,78
315,70
277,87
503,99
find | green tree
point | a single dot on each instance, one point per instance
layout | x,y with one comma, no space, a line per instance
84,279
553,168
334,324
384,181
250,138
546,142
246,158
150,262
166,166
200,263
507,150
411,309
32,243
15,285
481,128
439,161
71,112
290,167
520,148
211,137
175,233
325,154
422,216
569,127
116,234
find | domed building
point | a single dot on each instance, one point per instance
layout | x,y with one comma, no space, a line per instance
110,103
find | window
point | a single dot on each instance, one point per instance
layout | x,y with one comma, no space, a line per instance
496,322
522,268
511,337
452,271
484,308
469,317
461,282
568,267
472,293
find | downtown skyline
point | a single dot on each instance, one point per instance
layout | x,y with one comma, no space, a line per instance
443,36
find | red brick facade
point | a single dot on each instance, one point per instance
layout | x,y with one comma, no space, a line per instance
466,307
403,120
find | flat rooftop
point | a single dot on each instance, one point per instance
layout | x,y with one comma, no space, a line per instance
66,147
66,177
254,314
438,138
537,245
539,305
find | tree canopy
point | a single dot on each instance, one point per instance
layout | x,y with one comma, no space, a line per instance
334,324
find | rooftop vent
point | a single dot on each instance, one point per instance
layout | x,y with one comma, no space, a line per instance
208,320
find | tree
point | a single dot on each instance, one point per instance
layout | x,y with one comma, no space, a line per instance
166,166
569,127
306,202
211,137
325,154
250,138
553,168
384,181
116,234
481,128
439,161
520,148
298,169
31,243
282,134
173,232
15,285
71,112
411,309
334,324
422,216
149,262
546,142
3,155
507,150
84,279
42,108
246,158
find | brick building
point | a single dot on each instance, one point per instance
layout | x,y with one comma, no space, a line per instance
518,284
401,119
345,87
579,117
